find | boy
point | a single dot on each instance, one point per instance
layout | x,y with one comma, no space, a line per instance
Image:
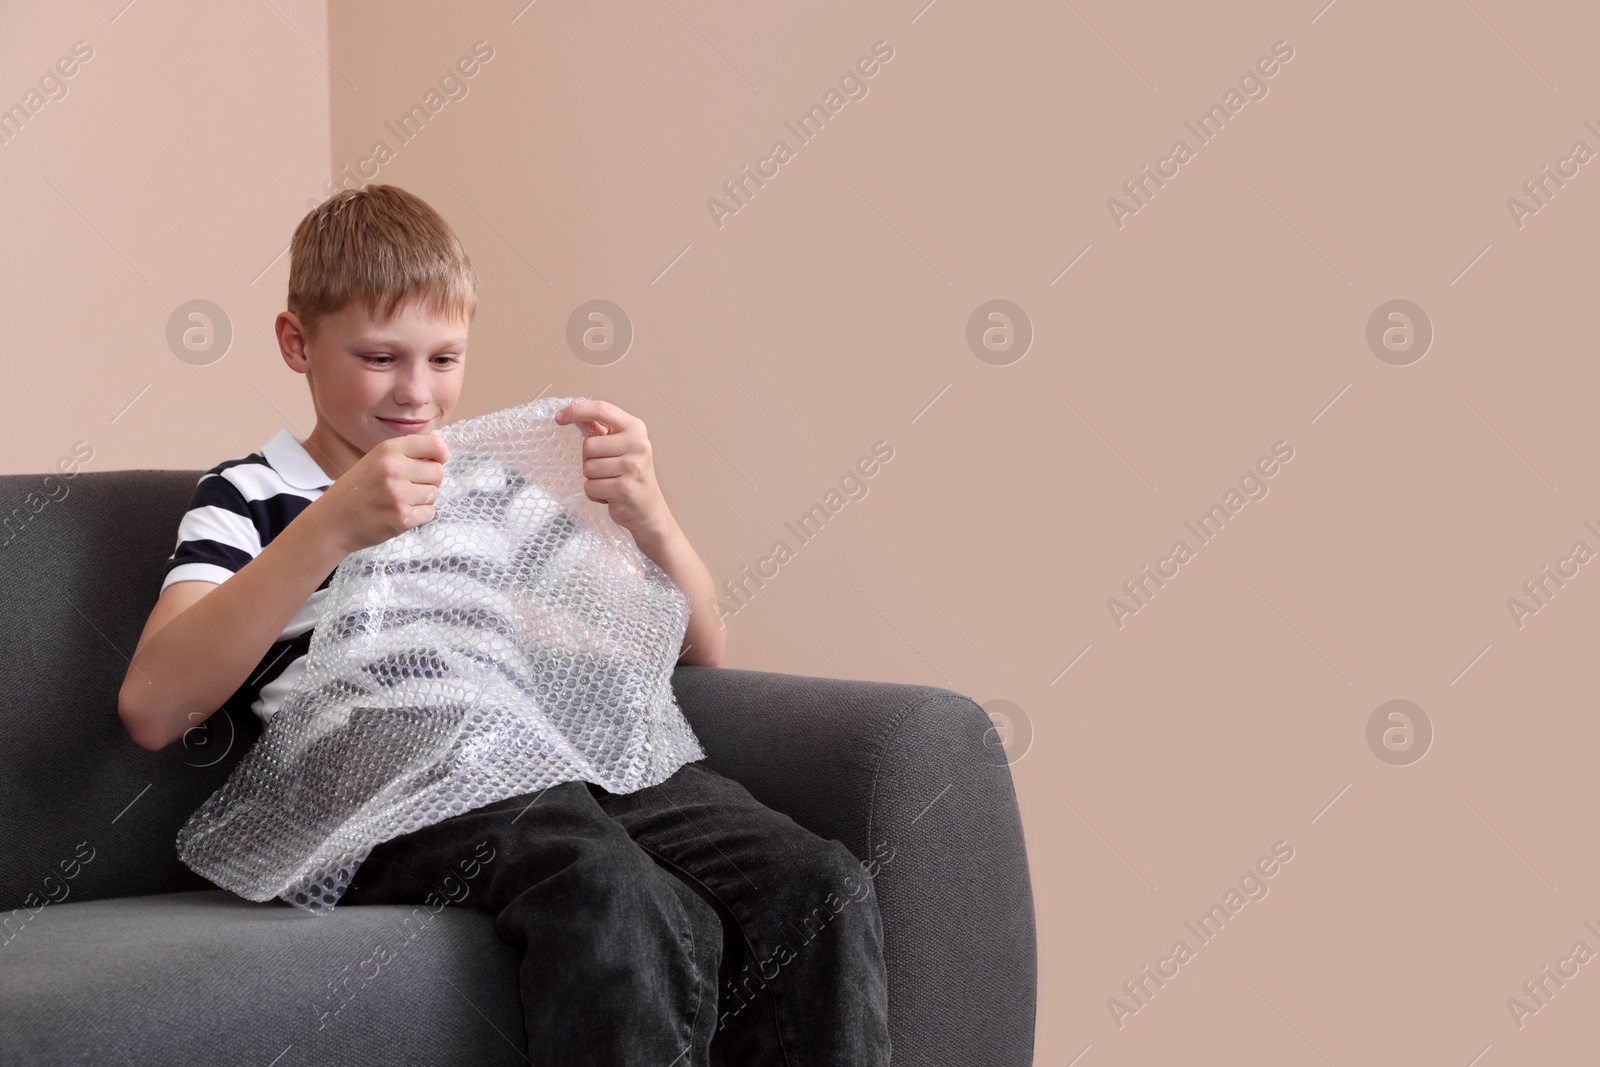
627,908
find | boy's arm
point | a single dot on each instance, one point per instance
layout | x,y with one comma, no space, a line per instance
619,471
203,639
198,647
706,638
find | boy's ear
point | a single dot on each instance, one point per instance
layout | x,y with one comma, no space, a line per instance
291,340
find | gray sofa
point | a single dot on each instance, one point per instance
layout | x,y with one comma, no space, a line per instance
113,952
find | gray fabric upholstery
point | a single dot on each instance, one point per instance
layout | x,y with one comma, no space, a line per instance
209,978
144,958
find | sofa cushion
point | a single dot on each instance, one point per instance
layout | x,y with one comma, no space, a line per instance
208,978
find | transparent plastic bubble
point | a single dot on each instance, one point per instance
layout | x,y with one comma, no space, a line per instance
518,640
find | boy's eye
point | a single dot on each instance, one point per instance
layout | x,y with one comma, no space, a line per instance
385,360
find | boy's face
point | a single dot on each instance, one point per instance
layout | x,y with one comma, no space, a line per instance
371,381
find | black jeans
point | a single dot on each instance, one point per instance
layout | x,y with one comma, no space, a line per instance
652,922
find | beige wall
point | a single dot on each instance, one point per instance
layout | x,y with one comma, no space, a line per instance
173,169
1226,315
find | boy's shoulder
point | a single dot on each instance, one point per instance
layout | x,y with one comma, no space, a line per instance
280,467
240,505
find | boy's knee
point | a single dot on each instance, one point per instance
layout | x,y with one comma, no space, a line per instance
829,884
705,924
624,885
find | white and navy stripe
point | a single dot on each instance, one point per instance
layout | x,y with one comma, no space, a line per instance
238,507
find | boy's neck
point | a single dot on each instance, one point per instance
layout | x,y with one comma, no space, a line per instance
332,453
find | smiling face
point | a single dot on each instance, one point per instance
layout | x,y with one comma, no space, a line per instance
371,381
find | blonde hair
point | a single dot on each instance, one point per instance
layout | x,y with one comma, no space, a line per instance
380,247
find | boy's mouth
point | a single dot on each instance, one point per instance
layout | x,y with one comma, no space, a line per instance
405,425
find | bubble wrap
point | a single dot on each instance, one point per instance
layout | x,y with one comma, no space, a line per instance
518,640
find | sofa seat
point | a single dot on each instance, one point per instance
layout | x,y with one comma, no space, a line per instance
220,980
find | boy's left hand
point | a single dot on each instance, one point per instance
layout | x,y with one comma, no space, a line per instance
618,469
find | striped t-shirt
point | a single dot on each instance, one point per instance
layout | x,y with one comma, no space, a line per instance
238,507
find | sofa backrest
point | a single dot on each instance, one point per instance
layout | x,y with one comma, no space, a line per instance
84,812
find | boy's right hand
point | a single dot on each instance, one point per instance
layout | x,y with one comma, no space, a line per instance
390,490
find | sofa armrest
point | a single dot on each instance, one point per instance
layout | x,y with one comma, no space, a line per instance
908,775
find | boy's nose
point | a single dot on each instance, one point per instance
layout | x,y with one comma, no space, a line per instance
411,387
